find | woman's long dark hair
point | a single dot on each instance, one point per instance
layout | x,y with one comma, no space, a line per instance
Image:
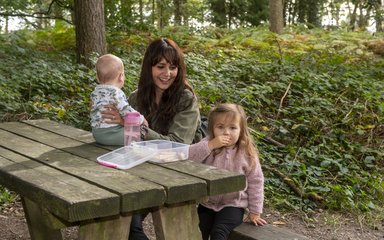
160,116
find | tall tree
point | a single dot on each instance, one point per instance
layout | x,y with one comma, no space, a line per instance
90,30
276,17
177,5
313,8
218,12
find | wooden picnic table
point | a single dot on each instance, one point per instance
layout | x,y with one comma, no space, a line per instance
53,168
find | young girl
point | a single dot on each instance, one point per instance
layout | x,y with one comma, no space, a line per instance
229,145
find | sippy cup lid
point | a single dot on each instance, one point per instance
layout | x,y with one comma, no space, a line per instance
132,118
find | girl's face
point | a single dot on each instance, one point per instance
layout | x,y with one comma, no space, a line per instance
229,126
163,75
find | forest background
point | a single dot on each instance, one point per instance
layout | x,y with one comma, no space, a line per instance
313,88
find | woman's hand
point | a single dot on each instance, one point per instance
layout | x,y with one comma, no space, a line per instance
111,115
255,219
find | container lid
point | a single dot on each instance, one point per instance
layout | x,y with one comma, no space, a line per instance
132,118
127,157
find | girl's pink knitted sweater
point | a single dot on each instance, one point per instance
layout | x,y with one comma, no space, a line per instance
252,197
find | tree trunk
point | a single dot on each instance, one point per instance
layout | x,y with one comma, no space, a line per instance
313,13
185,13
379,12
353,17
302,11
141,6
160,8
276,17
177,11
153,12
363,20
90,30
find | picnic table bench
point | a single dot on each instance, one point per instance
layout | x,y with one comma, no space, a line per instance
53,168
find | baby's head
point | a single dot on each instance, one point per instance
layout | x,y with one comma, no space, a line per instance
110,70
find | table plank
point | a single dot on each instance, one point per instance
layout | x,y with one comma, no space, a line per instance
62,194
62,129
180,187
219,181
149,193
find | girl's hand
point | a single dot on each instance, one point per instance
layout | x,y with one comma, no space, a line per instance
255,219
111,115
218,142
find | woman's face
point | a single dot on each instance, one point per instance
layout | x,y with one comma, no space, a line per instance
163,74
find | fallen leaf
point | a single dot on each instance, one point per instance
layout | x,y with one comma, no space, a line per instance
279,223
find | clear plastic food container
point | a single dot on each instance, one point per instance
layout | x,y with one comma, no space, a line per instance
127,157
167,151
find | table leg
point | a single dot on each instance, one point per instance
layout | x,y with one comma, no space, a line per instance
112,228
177,222
38,222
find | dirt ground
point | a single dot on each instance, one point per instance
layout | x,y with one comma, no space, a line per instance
322,226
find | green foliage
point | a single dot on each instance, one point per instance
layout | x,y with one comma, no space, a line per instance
6,197
315,100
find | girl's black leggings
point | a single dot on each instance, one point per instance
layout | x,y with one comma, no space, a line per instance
218,225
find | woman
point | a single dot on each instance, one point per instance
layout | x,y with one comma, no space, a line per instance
167,102
164,96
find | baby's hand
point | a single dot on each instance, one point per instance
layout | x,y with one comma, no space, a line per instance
218,142
255,219
145,123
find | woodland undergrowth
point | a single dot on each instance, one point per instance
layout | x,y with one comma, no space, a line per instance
315,100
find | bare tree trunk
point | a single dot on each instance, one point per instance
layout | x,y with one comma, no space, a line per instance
141,5
289,19
153,12
379,12
353,17
160,7
302,11
363,19
185,13
177,11
90,30
276,17
6,28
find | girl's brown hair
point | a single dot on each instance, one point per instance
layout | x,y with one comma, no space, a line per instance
160,116
245,141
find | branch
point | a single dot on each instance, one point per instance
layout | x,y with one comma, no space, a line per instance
33,15
282,100
265,138
37,14
291,184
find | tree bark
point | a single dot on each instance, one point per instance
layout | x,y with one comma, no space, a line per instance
90,30
177,11
276,17
379,12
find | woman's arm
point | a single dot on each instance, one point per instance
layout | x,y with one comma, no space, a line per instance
184,124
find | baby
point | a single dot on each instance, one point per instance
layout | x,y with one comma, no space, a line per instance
110,76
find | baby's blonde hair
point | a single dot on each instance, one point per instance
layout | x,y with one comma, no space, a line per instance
108,68
245,141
